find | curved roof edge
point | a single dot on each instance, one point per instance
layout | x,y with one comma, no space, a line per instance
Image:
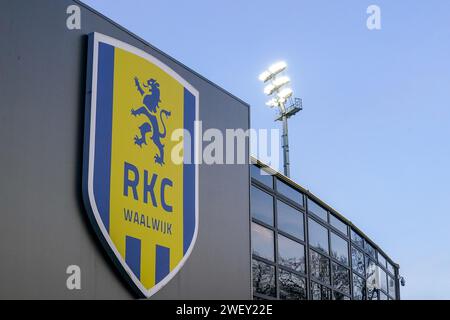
322,203
87,7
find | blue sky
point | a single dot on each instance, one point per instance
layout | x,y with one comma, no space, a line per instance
373,138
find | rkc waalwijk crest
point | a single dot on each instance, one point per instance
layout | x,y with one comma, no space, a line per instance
143,205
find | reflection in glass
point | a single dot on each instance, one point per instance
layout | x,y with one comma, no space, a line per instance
339,248
292,286
371,269
290,220
319,266
390,268
357,261
372,293
339,296
262,242
318,236
261,205
338,224
262,176
383,279
357,239
291,254
371,273
263,278
370,250
391,287
381,260
383,296
359,285
316,291
316,209
319,292
341,277
289,192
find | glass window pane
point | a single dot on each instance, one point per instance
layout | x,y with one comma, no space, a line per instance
359,288
357,261
263,278
390,268
262,242
290,220
357,239
319,292
338,224
383,296
391,287
341,277
316,291
371,273
291,254
383,279
262,176
372,294
316,209
339,296
370,250
339,248
371,268
381,260
289,192
261,205
326,293
292,286
318,236
319,266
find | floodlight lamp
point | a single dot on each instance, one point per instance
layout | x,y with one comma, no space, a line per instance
269,89
277,67
272,103
285,93
264,76
281,81
281,100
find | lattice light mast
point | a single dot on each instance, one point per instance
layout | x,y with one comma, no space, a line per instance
282,97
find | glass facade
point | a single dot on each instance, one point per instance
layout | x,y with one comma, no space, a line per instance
357,239
317,210
341,278
263,177
262,242
359,288
261,205
358,264
319,267
290,220
338,224
301,250
320,292
289,192
339,248
292,286
291,254
370,250
263,278
318,236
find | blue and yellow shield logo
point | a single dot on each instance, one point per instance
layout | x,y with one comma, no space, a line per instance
143,205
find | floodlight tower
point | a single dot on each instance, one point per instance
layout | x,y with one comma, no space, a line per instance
281,97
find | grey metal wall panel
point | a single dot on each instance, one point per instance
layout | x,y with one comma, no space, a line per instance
44,227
